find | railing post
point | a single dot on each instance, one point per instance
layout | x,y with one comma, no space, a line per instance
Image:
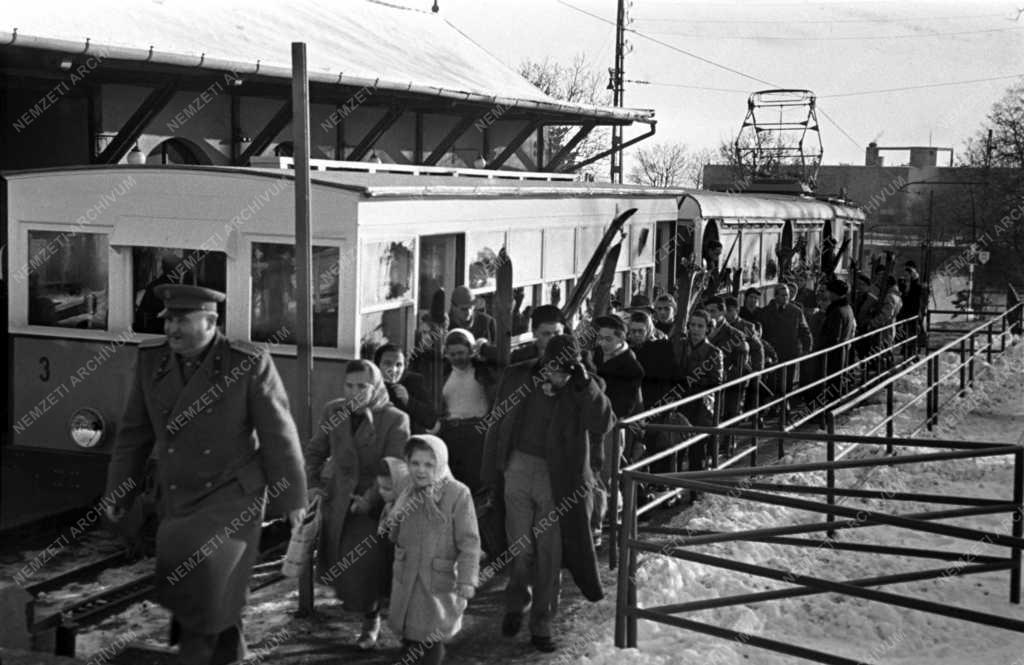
614,489
783,408
963,367
890,394
988,334
929,412
830,473
970,362
1018,524
625,622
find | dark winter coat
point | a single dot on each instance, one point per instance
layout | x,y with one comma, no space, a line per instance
661,374
839,326
419,406
756,358
701,368
353,462
623,377
579,411
212,471
734,348
786,329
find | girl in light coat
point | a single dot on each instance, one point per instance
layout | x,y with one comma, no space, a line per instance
437,553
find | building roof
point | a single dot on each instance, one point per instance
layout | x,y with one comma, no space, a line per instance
354,43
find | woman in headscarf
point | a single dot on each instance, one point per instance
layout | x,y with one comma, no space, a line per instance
437,553
356,432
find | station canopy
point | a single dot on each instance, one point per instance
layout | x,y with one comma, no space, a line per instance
353,43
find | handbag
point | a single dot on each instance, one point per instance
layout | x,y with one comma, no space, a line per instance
303,541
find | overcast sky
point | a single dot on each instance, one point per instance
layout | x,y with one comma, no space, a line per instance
831,48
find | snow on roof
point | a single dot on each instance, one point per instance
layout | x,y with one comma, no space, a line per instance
356,43
726,205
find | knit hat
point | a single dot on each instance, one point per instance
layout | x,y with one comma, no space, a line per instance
462,296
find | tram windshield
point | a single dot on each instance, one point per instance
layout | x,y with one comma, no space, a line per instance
153,266
67,279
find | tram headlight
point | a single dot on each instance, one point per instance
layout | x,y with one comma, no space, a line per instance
87,428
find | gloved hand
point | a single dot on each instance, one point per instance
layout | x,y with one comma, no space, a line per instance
578,376
401,394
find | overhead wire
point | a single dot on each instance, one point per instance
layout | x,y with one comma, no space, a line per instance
705,60
823,21
841,38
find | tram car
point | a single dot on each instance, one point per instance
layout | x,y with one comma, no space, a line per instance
85,246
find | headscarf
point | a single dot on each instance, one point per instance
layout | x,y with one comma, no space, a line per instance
430,495
379,392
400,481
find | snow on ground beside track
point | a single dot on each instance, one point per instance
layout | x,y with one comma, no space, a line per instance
852,627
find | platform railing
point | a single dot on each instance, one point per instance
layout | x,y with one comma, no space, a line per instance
746,484
851,373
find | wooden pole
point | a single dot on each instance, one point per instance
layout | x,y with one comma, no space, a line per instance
303,277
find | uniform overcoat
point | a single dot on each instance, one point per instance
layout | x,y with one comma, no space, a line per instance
579,411
219,441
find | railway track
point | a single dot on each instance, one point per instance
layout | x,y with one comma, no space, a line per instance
95,608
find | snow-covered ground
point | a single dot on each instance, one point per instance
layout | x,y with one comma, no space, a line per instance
851,627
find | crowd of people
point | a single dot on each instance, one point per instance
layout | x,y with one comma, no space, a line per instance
431,464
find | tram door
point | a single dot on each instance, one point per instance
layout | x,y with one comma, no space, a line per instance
664,256
442,264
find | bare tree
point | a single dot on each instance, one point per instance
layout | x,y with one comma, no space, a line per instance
669,165
579,82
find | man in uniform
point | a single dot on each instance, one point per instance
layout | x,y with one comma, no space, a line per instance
197,405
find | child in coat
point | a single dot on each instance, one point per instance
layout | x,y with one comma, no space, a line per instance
437,553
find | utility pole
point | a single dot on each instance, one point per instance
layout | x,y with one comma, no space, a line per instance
617,84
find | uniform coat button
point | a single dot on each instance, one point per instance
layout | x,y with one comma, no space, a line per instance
172,487
206,452
209,410
170,451
209,484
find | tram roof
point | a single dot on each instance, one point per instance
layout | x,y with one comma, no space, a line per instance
365,43
727,205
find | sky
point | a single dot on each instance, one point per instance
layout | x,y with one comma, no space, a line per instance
842,51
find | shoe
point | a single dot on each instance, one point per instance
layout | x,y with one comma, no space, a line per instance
511,624
598,540
543,643
371,631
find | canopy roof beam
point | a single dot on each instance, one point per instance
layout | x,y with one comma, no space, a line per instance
267,134
517,142
155,101
385,123
605,153
562,154
448,141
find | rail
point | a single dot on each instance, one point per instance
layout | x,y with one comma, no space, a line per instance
836,386
738,483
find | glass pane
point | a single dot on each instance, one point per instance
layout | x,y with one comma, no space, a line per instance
482,250
555,293
438,267
387,271
274,292
590,238
153,266
521,316
770,260
67,279
728,240
641,245
559,245
386,327
525,252
642,279
751,258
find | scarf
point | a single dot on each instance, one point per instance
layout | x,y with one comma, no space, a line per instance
411,496
378,393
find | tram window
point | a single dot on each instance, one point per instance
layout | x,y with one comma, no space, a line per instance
483,254
67,279
559,246
730,248
590,238
642,280
751,258
770,249
274,294
641,245
525,252
387,271
555,293
153,266
389,326
521,317
440,266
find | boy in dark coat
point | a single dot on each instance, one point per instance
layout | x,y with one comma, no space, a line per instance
540,450
786,329
622,375
701,367
840,325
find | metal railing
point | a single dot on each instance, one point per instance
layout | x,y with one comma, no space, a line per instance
838,518
852,378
